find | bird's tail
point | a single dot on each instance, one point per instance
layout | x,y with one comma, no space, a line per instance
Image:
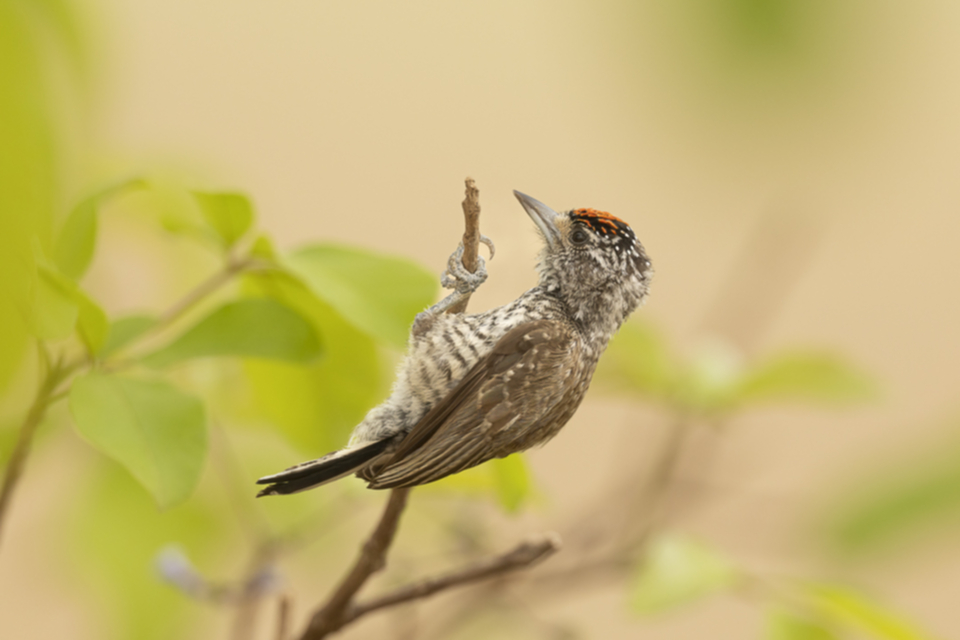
326,469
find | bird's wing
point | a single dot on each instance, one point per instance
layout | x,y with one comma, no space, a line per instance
512,388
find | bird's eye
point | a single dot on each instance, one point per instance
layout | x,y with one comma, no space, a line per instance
579,236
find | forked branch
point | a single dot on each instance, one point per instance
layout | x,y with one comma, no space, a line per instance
339,609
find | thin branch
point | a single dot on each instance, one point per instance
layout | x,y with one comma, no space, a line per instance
372,559
18,459
224,275
471,237
256,584
283,617
201,291
338,610
525,555
56,383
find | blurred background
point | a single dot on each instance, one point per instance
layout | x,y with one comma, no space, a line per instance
783,411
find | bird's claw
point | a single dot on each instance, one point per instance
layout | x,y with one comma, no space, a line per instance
457,276
489,243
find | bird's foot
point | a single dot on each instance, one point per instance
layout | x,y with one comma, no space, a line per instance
458,278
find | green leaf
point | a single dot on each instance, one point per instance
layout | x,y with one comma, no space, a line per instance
638,360
784,625
678,570
263,248
805,377
253,328
156,431
229,214
512,481
905,498
318,404
378,294
846,606
55,306
31,169
125,330
78,237
92,323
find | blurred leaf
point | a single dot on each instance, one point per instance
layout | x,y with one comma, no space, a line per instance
176,209
808,377
77,240
784,625
124,330
709,382
317,405
855,610
512,480
379,295
156,431
677,571
638,360
229,214
904,497
55,306
253,328
30,174
263,248
61,19
92,323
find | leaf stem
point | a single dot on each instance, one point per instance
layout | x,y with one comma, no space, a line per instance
232,268
56,383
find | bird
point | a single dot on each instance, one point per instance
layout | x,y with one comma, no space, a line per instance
473,387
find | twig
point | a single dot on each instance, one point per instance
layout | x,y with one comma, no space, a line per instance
525,555
18,459
338,610
372,559
255,585
471,237
283,617
232,268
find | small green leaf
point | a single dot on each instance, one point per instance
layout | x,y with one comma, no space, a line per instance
253,328
78,237
263,248
378,294
229,214
512,481
784,625
125,330
848,607
55,307
92,323
805,377
677,571
153,429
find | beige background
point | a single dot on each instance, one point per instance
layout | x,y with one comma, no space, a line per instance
358,121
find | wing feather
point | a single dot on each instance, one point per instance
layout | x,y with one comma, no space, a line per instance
502,405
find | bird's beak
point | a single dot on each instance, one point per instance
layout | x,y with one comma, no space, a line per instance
543,216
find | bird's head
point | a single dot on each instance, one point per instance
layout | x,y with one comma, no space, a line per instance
593,261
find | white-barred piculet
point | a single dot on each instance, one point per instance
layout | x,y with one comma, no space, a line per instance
473,387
